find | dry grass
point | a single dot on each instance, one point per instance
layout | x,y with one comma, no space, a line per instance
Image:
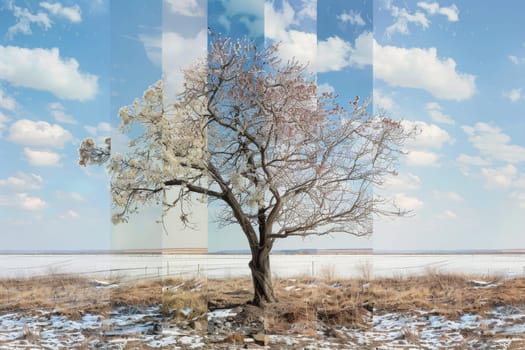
302,302
446,294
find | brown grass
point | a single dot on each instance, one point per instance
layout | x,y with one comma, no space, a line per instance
302,302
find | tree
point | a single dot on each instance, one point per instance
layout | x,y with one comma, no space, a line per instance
251,132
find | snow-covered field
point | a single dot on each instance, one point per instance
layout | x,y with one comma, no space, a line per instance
224,266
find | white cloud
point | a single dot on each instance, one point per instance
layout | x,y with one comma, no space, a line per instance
70,196
3,121
449,196
23,201
447,214
59,113
520,198
516,59
25,19
407,202
451,12
189,8
39,133
403,18
22,182
72,14
422,158
335,53
250,13
101,128
7,102
499,177
383,101
70,214
402,182
100,132
42,158
435,112
492,143
353,17
422,69
325,87
513,94
471,160
427,135
179,52
292,43
39,68
308,9
174,52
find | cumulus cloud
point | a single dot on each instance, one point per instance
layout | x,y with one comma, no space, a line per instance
422,69
70,196
40,133
250,13
447,214
353,17
432,8
499,177
422,158
513,94
383,101
407,202
23,201
189,8
174,52
72,13
59,113
437,115
100,132
402,182
25,19
7,102
293,43
448,196
520,198
517,59
325,87
471,160
492,143
70,214
3,121
42,158
403,18
22,182
179,52
335,53
39,68
427,135
308,9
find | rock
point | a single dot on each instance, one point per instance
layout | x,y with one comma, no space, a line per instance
235,338
196,326
261,339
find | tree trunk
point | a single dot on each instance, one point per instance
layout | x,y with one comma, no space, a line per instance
262,277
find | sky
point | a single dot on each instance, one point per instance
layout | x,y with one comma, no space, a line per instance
451,69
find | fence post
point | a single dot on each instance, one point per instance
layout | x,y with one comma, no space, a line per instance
158,270
167,268
145,271
313,271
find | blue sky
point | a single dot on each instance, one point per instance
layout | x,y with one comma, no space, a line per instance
450,68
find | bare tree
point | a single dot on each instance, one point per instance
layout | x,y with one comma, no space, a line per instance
251,132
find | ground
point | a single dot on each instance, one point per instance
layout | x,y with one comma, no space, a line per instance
434,311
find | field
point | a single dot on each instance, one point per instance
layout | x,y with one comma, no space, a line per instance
428,311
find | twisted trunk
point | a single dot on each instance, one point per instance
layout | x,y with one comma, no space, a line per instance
262,276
